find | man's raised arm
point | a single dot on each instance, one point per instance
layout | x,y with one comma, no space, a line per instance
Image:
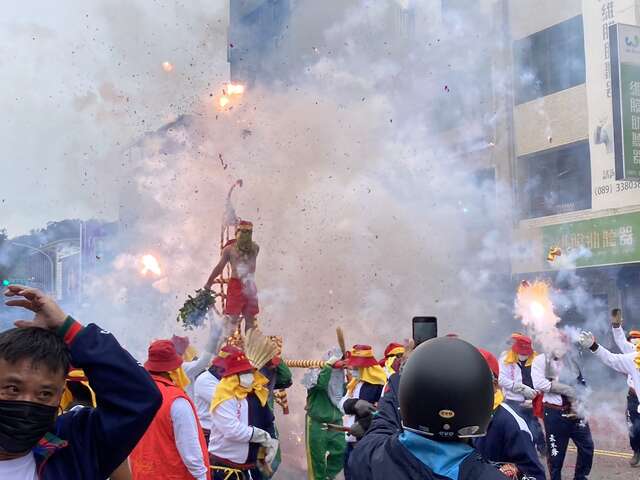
127,398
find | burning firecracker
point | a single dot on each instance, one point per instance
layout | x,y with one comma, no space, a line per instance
534,307
167,66
554,252
195,309
229,91
150,264
533,300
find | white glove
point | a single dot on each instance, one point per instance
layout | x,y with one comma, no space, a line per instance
260,436
562,389
586,339
528,392
271,448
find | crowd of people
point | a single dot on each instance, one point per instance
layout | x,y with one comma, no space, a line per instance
74,404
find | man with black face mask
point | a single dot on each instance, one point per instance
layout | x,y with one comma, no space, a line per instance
85,443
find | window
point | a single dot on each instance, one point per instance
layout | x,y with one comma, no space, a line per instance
555,181
549,61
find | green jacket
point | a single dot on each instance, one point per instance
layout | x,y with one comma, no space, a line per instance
319,405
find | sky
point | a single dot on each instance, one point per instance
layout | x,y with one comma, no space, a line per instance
81,80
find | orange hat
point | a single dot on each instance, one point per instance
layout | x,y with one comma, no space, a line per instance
492,361
220,360
244,225
394,349
162,357
236,362
522,345
181,343
361,356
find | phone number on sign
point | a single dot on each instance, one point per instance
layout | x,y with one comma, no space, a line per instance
617,187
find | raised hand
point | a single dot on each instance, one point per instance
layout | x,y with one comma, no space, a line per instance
616,318
47,312
586,339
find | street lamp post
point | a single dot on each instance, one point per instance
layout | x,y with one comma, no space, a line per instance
42,252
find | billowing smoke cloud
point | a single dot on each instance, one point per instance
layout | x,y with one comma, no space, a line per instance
368,207
365,212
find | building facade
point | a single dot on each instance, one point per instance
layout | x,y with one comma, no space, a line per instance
563,161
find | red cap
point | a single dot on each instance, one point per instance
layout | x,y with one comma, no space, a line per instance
236,362
181,343
162,357
361,356
221,359
492,361
244,225
634,334
522,345
394,349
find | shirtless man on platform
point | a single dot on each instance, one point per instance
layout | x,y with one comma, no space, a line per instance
242,294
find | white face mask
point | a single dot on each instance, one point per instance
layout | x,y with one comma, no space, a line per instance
246,380
635,341
522,358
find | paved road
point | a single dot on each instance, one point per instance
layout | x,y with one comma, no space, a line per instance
605,467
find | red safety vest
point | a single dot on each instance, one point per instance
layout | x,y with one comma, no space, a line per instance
156,455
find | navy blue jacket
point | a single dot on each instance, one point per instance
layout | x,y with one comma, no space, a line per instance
389,406
89,443
379,455
508,440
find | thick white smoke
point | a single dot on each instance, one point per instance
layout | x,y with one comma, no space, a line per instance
365,213
367,208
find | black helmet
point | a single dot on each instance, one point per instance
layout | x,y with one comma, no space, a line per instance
446,390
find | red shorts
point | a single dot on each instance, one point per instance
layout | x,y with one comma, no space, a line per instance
241,300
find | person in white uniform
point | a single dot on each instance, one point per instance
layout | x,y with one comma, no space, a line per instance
627,344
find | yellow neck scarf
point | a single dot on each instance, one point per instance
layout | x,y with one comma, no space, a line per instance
388,365
179,378
637,359
67,397
190,353
498,398
374,375
229,387
512,357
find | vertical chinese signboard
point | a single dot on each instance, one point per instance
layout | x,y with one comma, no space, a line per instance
625,83
598,16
